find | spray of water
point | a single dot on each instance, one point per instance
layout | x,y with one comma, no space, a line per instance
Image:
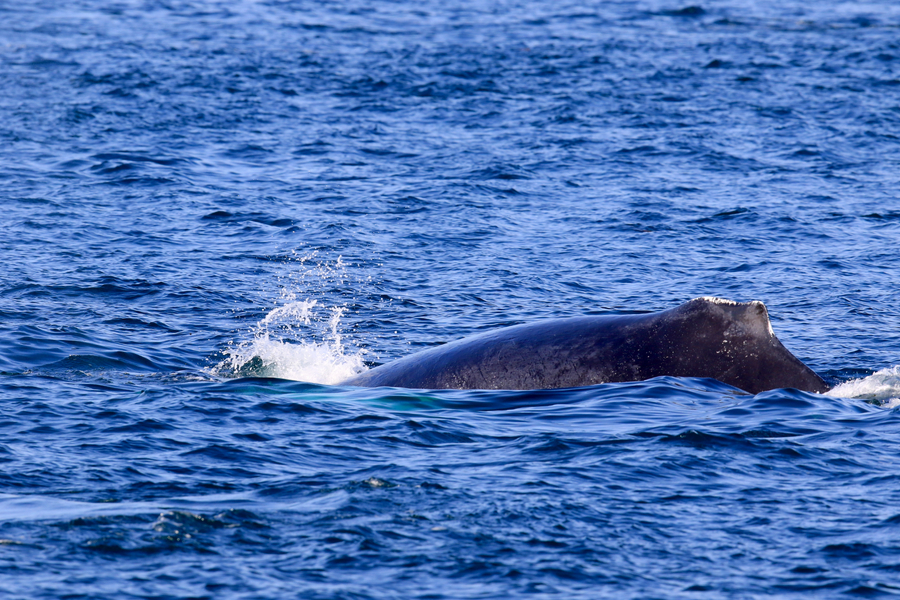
299,339
882,386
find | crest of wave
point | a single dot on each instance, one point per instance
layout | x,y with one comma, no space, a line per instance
882,386
297,340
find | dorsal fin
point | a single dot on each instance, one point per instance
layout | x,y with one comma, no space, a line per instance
751,316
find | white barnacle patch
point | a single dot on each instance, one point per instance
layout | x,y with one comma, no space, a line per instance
717,300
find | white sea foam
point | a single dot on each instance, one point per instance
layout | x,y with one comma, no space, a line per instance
298,339
882,386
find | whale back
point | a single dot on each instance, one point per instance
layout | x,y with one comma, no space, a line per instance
705,337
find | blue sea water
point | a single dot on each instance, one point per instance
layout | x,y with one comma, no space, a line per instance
214,212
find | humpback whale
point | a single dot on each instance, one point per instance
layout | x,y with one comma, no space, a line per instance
704,337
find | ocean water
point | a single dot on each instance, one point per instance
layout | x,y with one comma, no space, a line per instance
214,212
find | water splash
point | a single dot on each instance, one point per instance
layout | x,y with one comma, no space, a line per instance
882,386
299,339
